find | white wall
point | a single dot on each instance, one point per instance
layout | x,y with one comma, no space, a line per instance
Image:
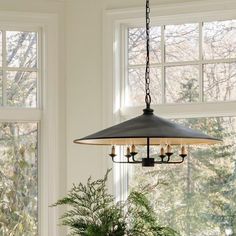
84,86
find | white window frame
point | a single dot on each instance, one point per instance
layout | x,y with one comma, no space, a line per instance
46,114
115,22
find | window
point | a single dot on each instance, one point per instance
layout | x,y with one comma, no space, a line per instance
193,73
198,196
19,142
191,63
19,178
19,68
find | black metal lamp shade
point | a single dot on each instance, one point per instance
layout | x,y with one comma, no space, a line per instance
137,130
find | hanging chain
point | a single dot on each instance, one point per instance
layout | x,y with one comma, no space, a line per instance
147,72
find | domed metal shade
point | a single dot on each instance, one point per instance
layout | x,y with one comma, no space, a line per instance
137,130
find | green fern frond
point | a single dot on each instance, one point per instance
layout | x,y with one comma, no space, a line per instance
93,212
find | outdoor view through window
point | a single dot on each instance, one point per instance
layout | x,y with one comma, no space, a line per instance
18,139
190,63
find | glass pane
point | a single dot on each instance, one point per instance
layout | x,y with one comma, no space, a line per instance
19,179
181,42
137,45
220,82
197,197
212,179
135,90
219,39
21,49
182,84
21,89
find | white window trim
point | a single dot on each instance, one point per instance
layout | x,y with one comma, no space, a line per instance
47,114
113,65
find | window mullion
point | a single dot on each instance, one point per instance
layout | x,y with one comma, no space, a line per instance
125,63
201,62
19,69
20,114
185,63
163,64
4,64
39,70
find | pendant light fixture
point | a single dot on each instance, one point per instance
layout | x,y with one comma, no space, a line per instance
148,130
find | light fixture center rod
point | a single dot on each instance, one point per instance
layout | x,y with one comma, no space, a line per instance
148,148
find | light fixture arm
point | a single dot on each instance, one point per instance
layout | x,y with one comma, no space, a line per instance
148,160
155,162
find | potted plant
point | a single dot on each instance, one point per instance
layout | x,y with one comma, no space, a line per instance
93,212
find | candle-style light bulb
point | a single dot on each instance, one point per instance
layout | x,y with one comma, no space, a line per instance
113,150
162,151
168,148
183,150
133,148
128,151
